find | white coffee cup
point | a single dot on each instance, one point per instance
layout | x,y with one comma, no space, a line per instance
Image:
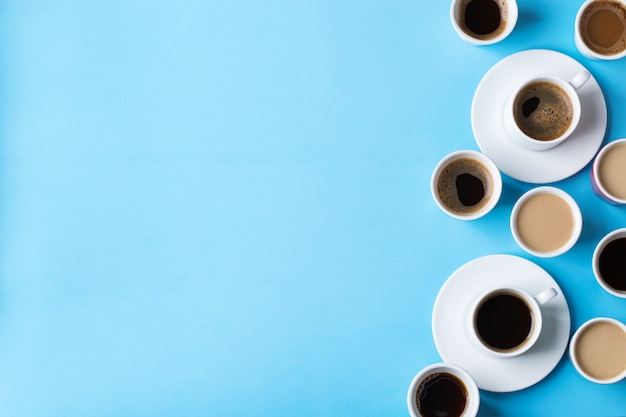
453,376
512,333
598,350
525,130
451,198
608,49
546,222
607,172
604,276
508,18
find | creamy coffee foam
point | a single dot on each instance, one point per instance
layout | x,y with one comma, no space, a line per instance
601,350
612,171
603,27
465,186
545,222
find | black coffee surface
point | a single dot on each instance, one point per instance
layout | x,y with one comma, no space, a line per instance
441,395
470,189
503,321
482,16
612,264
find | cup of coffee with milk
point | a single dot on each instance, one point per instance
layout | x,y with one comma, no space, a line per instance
600,31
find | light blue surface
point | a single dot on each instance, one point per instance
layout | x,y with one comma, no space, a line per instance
222,208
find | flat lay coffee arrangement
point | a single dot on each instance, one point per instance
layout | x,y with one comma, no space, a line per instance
500,322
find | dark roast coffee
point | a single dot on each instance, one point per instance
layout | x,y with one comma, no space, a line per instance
503,321
464,185
441,395
612,264
543,110
483,19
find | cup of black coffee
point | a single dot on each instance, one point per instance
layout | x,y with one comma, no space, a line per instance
600,31
466,184
506,322
543,111
443,389
483,22
609,263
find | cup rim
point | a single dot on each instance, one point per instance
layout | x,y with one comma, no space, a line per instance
473,395
596,166
496,178
574,342
536,144
576,214
513,14
528,342
580,43
615,234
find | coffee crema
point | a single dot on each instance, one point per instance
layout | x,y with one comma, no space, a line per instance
503,321
603,27
483,19
543,110
612,171
441,395
465,186
601,350
545,222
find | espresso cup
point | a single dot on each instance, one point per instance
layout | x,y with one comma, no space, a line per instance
443,389
466,184
543,111
609,263
598,350
546,222
506,322
608,173
483,22
600,29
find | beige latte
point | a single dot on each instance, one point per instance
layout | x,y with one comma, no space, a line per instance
601,350
545,222
612,171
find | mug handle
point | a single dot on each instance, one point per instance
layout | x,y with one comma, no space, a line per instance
580,79
545,296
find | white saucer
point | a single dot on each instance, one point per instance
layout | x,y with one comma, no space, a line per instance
451,334
554,164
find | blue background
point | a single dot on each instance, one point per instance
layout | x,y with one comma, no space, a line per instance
222,207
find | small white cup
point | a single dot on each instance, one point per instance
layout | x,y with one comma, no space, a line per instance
596,264
534,308
515,132
595,357
538,227
584,47
508,18
446,194
597,185
420,382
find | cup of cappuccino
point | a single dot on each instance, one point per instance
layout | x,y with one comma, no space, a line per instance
443,389
466,184
598,350
608,173
483,22
546,222
506,322
543,111
600,31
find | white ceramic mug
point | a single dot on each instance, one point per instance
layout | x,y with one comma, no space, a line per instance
517,134
445,193
508,18
598,350
533,305
418,389
605,282
611,162
540,222
606,52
